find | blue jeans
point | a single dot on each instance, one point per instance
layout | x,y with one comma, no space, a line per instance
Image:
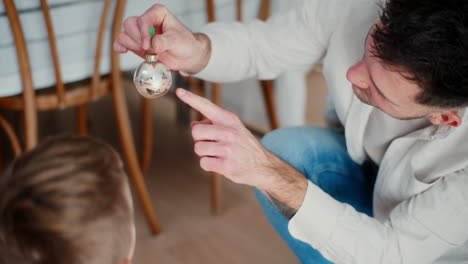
320,154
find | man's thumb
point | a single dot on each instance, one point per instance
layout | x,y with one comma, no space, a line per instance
160,43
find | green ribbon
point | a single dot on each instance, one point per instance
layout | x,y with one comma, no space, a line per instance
152,30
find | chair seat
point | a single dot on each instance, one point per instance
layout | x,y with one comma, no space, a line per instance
77,93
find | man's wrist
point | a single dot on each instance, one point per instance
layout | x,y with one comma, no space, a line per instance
287,187
203,53
291,189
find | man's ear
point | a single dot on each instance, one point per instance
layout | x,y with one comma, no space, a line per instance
445,118
126,261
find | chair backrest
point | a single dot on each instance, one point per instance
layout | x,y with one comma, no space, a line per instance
263,11
25,70
23,57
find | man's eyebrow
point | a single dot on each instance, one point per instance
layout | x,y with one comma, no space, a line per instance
380,92
372,80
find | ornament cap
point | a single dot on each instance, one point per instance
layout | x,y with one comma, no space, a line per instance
151,58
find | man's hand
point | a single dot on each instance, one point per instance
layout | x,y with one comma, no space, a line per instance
227,147
177,47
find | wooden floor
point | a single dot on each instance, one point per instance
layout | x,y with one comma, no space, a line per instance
180,191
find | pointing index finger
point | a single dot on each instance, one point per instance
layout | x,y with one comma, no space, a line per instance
203,105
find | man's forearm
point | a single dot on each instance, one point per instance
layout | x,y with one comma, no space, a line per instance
287,189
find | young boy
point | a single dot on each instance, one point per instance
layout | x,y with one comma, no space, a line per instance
66,201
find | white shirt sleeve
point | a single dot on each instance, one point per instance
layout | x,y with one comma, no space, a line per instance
418,230
296,39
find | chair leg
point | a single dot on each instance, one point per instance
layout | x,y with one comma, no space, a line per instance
82,120
147,135
126,138
268,96
216,193
216,179
15,145
31,133
14,142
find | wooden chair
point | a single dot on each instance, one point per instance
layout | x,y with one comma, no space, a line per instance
78,95
267,89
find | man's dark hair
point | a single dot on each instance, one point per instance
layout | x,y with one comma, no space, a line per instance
66,201
427,41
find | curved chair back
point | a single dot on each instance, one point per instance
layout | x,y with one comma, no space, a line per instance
59,100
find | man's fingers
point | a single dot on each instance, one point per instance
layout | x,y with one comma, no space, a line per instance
207,108
126,41
213,133
206,132
152,17
212,164
202,122
210,149
119,48
145,26
160,44
131,28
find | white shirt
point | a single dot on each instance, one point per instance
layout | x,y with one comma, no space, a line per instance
421,191
394,128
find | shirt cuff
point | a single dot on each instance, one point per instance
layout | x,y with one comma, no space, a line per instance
316,219
213,70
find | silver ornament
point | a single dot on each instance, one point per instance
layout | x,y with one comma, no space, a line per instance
152,78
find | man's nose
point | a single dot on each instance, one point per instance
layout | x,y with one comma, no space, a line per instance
358,75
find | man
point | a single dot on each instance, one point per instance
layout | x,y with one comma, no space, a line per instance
398,84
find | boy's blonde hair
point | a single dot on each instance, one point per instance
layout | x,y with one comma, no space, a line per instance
65,202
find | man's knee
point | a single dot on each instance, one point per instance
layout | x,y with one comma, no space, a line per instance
294,144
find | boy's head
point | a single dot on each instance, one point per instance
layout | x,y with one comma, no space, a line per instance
66,201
